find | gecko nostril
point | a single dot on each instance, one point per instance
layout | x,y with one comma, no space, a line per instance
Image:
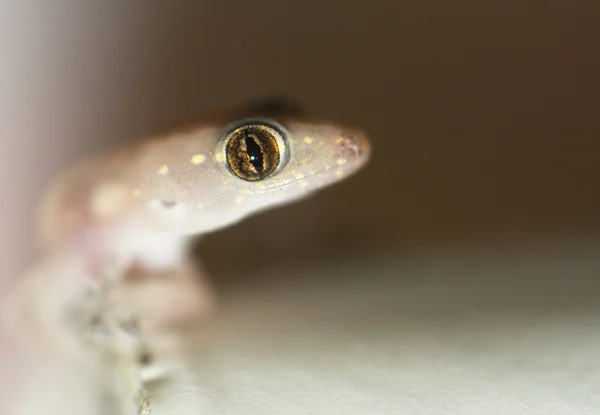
353,144
353,148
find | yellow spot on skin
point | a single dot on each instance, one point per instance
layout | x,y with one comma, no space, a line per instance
261,186
308,140
239,200
198,159
164,169
303,184
108,199
299,176
339,140
136,192
341,162
339,173
220,157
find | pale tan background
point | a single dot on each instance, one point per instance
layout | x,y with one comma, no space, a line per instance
483,117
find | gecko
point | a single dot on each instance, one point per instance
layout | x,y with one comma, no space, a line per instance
133,210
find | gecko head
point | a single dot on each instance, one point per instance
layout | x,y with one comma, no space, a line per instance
263,163
198,180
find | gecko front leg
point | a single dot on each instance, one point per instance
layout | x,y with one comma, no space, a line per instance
50,307
163,299
145,313
127,328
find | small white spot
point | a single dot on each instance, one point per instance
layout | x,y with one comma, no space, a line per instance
163,170
341,162
299,176
304,184
154,372
239,200
200,206
198,159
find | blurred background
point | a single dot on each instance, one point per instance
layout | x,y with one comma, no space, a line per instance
482,115
483,119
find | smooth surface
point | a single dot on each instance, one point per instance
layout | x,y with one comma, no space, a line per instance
508,327
513,328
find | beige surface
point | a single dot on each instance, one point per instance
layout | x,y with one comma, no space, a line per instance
502,328
511,330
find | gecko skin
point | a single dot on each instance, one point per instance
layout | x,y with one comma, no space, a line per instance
143,201
139,204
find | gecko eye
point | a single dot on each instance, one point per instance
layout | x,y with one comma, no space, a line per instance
253,151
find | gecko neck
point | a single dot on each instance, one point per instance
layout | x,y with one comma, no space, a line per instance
148,248
162,251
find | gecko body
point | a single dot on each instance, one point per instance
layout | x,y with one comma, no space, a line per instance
132,210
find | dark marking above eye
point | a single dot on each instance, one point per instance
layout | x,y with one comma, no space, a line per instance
274,106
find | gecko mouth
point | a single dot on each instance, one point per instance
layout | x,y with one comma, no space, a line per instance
311,184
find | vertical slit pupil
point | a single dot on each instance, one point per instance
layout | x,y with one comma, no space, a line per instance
254,153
